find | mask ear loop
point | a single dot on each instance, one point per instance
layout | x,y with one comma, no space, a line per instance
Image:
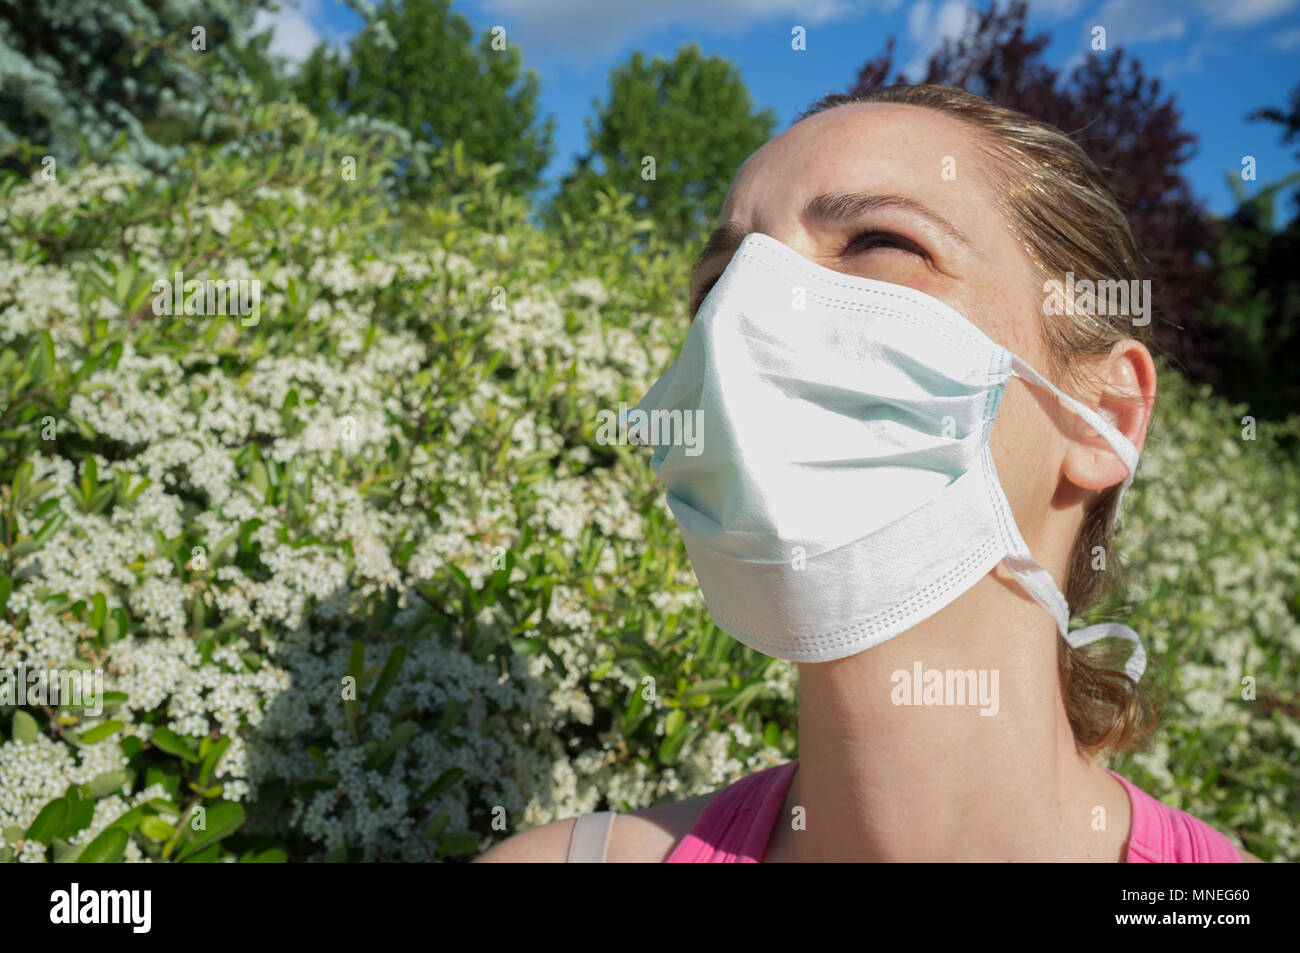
1031,575
1118,442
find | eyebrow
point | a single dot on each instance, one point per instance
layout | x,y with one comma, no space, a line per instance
830,208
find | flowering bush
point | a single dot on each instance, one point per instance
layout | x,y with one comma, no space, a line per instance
361,579
1212,545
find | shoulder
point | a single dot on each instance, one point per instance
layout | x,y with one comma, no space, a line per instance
647,835
1161,833
546,844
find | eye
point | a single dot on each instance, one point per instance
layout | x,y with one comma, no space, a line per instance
871,240
861,243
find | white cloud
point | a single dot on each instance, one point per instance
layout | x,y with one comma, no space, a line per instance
918,15
1139,21
1286,40
1056,9
1188,64
294,37
1149,21
948,22
1244,13
586,29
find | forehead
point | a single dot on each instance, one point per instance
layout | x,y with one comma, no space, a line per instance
869,147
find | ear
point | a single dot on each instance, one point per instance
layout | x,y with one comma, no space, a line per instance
1124,395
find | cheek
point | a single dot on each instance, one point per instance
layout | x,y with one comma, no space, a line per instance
1028,452
1028,448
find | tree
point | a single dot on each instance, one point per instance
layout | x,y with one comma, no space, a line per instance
672,134
1133,134
1290,123
97,70
1258,264
437,84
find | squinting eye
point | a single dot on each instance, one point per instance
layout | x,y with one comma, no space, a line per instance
867,241
860,243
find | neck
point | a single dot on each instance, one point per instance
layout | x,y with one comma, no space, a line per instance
891,771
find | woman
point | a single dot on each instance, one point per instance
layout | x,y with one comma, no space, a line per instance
889,264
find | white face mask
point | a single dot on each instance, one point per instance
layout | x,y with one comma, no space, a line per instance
842,488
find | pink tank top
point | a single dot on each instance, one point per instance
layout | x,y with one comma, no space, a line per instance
735,826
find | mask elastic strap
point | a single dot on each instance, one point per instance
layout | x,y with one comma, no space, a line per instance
1036,580
1137,660
1118,442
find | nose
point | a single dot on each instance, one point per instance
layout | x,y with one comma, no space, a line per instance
791,234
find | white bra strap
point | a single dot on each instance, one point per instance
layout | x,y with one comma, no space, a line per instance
590,838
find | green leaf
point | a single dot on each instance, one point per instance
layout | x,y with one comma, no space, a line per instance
130,820
444,783
387,677
437,826
49,821
402,733
223,819
164,806
210,761
82,813
672,746
99,612
51,526
100,732
106,783
673,723
89,479
259,478
65,853
101,499
272,856
25,727
451,714
156,828
357,660
107,848
459,842
33,493
167,740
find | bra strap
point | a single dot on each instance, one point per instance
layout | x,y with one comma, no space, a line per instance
590,838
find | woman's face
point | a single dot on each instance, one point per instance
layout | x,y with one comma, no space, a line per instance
892,192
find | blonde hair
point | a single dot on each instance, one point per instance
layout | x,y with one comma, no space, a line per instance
1059,206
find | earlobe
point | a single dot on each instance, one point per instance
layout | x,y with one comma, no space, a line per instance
1124,397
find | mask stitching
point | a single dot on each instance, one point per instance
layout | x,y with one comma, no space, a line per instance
812,268
843,635
946,324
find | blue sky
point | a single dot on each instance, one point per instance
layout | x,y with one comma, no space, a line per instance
1221,59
